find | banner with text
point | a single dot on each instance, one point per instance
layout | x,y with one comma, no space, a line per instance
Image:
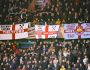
32,32
15,31
76,31
46,31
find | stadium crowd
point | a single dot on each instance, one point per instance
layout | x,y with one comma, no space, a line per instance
55,12
46,55
42,55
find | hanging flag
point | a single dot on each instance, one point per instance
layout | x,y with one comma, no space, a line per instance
12,32
76,31
46,31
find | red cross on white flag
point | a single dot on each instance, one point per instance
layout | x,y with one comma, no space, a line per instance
8,32
46,31
76,31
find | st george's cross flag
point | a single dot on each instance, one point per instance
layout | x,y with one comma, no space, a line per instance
77,31
15,31
46,31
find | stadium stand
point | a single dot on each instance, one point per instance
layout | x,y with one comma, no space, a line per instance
45,55
18,11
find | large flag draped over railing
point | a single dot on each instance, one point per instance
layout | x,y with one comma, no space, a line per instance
15,31
46,31
66,31
39,31
76,31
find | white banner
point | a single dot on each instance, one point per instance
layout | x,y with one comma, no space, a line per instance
31,33
41,3
86,28
11,32
76,31
46,31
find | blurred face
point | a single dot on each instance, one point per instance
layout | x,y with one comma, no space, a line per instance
30,58
85,56
40,43
72,40
69,12
25,57
19,66
68,62
35,61
24,66
48,66
44,61
80,64
74,65
10,66
62,66
65,49
78,40
52,53
77,61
